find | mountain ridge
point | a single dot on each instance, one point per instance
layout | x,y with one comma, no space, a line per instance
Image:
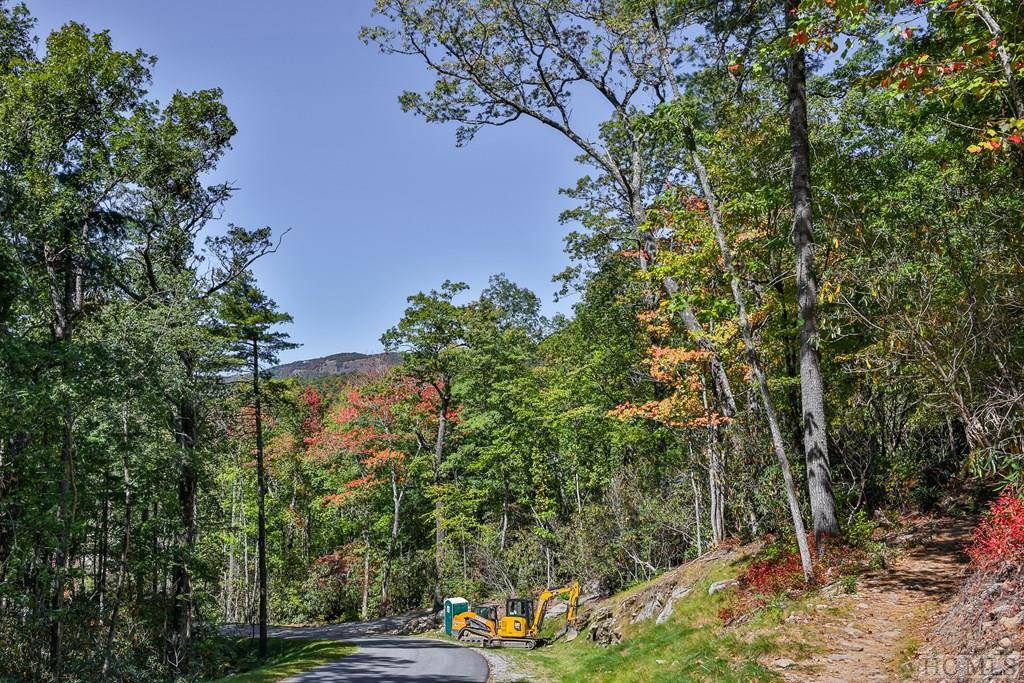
347,363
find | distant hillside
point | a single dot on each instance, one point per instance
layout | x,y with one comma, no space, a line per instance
336,364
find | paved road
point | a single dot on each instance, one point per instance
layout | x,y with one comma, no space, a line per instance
401,659
384,658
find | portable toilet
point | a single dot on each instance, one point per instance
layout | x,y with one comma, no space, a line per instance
453,606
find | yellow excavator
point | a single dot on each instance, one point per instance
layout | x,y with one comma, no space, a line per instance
521,623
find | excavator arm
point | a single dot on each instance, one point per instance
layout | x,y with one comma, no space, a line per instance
570,593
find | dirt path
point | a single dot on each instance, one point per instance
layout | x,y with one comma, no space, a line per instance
871,635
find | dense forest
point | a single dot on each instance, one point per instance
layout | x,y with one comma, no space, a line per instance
795,256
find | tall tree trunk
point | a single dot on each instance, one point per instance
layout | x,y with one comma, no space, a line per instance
364,613
261,495
230,599
140,574
753,359
103,545
180,643
716,487
504,512
246,592
696,512
716,473
63,558
442,426
812,399
385,583
126,537
61,284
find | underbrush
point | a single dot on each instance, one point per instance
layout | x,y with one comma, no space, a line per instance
776,574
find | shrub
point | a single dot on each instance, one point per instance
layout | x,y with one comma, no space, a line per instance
777,574
1000,536
860,532
774,576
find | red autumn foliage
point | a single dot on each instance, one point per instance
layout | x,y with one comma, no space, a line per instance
772,577
378,422
782,575
1000,536
336,564
387,457
680,370
312,405
762,581
642,254
352,489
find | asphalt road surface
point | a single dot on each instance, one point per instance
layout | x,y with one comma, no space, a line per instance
384,658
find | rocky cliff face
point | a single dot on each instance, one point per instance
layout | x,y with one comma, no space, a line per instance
336,364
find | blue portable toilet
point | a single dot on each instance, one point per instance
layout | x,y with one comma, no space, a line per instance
453,606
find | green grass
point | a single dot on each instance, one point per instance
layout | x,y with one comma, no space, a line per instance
668,652
691,646
284,658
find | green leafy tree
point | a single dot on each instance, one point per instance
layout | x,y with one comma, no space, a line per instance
432,335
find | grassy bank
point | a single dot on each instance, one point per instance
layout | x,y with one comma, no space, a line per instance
693,644
690,646
284,658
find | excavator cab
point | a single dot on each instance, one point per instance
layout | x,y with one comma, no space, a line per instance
520,607
518,619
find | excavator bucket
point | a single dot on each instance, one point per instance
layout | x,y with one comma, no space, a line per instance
569,631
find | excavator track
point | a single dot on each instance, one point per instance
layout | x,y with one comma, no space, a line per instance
472,636
522,643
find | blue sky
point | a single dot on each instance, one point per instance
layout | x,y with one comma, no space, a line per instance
380,204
